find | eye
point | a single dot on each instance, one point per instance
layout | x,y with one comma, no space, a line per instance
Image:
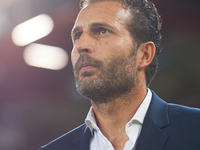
77,36
103,31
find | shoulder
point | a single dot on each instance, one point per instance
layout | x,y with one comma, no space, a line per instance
173,113
179,112
182,108
183,130
174,109
67,139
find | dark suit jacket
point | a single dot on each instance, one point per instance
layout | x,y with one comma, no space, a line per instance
165,127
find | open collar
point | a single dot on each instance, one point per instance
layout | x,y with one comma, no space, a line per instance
152,136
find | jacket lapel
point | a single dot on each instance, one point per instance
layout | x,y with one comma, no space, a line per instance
152,137
82,139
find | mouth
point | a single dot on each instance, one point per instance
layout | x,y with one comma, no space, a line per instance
86,67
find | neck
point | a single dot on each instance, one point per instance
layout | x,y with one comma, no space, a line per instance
112,117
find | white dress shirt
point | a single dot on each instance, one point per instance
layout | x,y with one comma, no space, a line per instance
132,128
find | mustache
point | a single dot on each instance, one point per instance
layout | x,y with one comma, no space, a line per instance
85,58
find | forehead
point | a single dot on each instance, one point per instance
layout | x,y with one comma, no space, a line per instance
111,12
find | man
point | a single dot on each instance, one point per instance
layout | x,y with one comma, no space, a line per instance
115,56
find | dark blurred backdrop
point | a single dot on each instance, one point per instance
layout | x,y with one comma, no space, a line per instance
38,105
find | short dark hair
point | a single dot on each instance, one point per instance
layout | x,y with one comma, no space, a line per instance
145,25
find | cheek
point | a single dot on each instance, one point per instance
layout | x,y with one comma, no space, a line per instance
105,48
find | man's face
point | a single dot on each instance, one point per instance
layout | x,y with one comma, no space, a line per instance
103,56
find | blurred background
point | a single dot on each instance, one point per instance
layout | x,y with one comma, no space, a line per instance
38,98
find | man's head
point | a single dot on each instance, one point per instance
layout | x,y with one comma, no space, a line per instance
108,60
144,25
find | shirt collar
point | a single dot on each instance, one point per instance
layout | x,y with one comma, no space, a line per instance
90,121
142,110
139,115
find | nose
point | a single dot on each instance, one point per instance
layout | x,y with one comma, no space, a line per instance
84,44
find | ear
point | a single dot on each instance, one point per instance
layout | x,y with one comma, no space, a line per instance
145,54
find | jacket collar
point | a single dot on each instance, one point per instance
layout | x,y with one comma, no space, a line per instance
152,137
82,139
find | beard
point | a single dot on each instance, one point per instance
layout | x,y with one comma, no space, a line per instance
117,77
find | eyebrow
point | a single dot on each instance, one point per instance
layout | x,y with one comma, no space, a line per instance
101,24
93,25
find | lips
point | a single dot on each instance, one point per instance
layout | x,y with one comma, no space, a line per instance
86,66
